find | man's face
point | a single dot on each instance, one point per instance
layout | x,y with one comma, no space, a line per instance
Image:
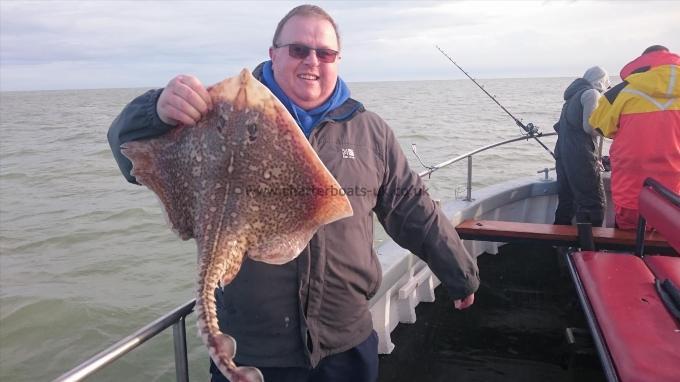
307,82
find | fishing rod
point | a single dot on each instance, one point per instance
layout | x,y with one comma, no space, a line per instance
530,129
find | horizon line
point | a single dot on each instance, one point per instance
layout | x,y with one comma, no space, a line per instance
348,82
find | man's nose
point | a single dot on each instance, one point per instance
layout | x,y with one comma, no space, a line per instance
311,58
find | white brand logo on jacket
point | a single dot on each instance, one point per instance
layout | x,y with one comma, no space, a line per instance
348,153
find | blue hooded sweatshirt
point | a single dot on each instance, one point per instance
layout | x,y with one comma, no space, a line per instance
306,119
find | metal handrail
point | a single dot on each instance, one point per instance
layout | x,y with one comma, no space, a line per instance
469,155
175,318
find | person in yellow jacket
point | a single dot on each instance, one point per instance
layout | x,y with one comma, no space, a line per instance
642,115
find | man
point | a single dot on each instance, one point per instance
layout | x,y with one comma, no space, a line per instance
642,114
579,184
308,320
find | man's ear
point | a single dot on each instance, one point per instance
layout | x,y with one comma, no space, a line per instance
271,53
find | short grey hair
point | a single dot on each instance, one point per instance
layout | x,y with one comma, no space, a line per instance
305,10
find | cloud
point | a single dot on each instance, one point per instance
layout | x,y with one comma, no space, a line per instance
79,44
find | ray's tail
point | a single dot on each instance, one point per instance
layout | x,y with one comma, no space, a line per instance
221,346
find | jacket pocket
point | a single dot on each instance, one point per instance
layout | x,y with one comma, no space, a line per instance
377,273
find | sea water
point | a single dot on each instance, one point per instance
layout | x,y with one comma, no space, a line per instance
86,258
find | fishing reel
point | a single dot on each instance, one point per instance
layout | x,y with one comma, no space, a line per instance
531,129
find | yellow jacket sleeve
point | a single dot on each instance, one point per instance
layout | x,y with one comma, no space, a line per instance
605,117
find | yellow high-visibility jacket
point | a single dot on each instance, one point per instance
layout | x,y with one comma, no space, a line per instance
642,115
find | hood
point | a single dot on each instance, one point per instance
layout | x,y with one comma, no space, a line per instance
649,61
576,86
597,77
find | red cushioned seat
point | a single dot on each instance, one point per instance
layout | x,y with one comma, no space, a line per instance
640,335
664,267
660,208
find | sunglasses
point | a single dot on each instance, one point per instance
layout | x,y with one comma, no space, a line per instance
301,52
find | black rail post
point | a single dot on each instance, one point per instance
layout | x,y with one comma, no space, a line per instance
180,342
585,236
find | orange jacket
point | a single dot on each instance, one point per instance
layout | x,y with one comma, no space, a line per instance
642,114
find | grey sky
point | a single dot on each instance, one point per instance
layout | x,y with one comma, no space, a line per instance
105,44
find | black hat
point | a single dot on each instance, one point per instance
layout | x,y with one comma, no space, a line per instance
655,48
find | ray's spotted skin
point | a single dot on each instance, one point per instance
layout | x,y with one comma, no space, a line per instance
243,182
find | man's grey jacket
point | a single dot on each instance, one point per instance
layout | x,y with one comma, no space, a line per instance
316,305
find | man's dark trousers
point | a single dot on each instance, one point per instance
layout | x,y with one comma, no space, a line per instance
358,364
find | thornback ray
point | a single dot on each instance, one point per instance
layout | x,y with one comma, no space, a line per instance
243,182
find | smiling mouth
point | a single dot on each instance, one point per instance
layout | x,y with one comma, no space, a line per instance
308,77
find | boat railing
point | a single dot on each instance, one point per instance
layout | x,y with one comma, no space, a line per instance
176,318
468,155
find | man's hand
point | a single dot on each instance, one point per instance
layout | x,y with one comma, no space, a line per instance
184,100
464,303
